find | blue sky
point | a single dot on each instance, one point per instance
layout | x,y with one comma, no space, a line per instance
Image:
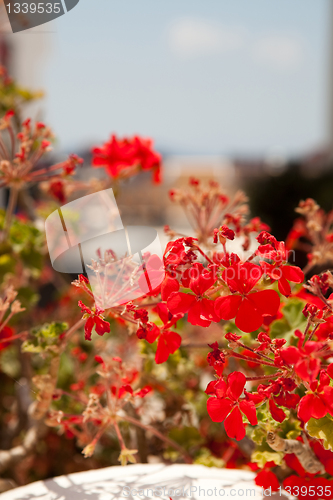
217,76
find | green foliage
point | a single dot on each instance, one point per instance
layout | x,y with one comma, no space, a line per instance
264,454
293,319
186,436
45,338
13,97
208,460
9,362
25,244
322,428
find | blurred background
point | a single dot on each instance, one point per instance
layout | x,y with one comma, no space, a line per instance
240,91
236,90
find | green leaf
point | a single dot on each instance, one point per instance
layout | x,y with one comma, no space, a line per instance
293,318
321,428
262,457
208,460
258,435
44,338
292,311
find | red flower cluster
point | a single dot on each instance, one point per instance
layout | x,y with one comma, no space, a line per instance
124,157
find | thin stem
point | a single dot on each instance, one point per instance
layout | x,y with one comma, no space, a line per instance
72,330
12,140
254,352
264,377
13,337
252,360
170,442
119,436
203,254
312,333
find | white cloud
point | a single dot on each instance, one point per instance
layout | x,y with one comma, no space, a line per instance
195,37
280,52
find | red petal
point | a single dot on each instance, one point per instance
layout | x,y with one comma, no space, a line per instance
234,426
308,369
218,409
293,273
236,383
242,277
163,312
284,286
220,388
327,399
277,413
330,370
179,302
101,326
208,310
290,355
267,479
196,316
203,280
168,286
249,409
226,307
167,344
311,406
88,328
152,334
248,319
267,302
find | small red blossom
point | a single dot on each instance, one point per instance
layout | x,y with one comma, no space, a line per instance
226,405
216,358
56,189
267,479
318,401
125,156
199,307
248,307
280,270
168,342
223,234
94,319
304,358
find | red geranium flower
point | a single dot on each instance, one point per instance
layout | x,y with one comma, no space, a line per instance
267,479
248,308
168,341
304,358
279,270
94,319
121,155
319,401
226,406
199,307
313,487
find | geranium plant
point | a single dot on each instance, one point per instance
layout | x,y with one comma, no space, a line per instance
227,362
